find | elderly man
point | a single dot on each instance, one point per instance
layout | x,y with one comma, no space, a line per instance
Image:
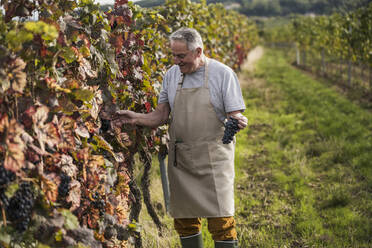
198,93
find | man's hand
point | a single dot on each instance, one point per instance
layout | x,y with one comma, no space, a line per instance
152,119
124,117
243,121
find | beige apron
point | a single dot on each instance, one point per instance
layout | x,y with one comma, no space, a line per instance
200,167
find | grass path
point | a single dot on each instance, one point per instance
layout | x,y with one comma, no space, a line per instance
303,167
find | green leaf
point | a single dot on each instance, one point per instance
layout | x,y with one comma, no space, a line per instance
42,246
58,236
102,143
80,245
71,222
15,38
5,238
68,54
83,95
84,50
35,27
48,32
11,189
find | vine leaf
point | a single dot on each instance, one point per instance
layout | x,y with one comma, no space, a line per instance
83,94
69,55
49,187
66,125
71,222
46,133
17,75
85,70
14,158
74,195
13,76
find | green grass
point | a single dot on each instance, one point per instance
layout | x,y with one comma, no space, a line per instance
309,163
303,167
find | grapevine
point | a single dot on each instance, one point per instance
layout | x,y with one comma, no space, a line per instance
66,173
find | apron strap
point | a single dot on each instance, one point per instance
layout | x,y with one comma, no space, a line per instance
180,82
206,72
182,77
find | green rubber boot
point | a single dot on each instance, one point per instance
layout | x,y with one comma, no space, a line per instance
226,244
193,241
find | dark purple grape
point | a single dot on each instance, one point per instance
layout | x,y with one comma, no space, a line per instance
20,207
64,186
231,128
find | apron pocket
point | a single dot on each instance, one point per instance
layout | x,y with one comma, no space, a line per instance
194,158
221,154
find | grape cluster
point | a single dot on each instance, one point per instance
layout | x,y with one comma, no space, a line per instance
64,186
105,125
231,128
6,177
20,207
99,203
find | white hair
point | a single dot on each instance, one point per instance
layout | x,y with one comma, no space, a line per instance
190,36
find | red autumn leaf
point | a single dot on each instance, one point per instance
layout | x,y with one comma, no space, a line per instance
43,51
148,106
27,117
118,42
120,2
92,218
140,42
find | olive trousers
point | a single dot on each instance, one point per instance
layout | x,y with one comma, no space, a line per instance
221,228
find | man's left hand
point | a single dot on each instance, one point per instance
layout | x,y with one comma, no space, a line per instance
243,121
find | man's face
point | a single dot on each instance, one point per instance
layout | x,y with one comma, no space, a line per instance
187,60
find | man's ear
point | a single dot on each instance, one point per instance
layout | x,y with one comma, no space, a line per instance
198,51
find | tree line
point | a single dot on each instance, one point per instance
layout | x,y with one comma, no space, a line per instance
279,7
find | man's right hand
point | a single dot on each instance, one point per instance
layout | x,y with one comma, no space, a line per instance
124,117
152,119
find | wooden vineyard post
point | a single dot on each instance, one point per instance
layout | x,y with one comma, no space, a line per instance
323,63
370,77
349,67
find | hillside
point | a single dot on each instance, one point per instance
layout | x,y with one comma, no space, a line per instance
279,7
